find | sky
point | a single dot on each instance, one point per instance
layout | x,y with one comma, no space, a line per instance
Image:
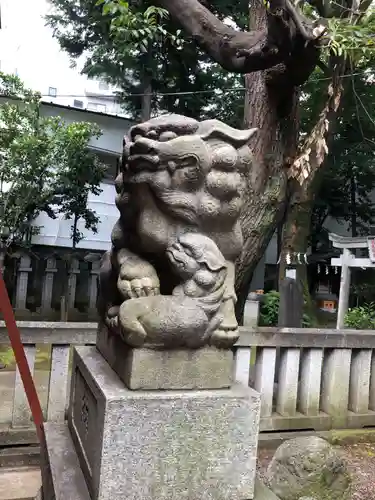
27,45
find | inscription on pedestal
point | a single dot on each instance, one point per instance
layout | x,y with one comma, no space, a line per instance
84,420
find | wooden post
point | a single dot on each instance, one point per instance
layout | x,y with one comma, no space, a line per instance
344,289
290,309
291,304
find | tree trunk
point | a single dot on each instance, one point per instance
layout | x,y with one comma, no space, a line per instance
146,100
295,236
273,110
353,205
147,87
75,223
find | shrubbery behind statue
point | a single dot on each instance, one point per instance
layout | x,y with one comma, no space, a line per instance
168,280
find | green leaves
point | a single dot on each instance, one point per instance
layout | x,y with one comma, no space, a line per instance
361,318
45,165
134,30
79,173
352,37
269,310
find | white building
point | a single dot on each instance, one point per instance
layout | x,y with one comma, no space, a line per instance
28,50
56,232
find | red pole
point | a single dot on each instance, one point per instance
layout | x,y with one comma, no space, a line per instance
21,360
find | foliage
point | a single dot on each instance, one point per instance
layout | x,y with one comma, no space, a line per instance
362,286
361,318
269,310
352,36
348,178
79,173
136,30
192,85
41,160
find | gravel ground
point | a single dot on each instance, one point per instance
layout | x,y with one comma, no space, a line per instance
360,459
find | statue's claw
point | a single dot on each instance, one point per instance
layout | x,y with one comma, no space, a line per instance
138,287
223,339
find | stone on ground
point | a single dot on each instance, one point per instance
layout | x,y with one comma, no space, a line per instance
310,468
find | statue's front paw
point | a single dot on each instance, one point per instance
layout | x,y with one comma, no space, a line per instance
133,338
139,287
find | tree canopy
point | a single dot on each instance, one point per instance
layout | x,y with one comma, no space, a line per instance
182,77
45,166
271,48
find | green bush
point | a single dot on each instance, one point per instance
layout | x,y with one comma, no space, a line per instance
361,318
269,310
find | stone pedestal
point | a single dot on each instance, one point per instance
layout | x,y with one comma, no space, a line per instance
152,444
179,369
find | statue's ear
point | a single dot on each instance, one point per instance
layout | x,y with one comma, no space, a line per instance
214,261
216,129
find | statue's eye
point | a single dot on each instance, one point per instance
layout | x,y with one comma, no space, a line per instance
167,136
188,252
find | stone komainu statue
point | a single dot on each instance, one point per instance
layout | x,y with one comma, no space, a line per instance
168,279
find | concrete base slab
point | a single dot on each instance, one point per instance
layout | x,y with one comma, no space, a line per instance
61,472
20,483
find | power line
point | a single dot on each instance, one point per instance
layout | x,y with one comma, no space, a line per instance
193,92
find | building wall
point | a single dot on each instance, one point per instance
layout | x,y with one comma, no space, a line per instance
57,232
113,128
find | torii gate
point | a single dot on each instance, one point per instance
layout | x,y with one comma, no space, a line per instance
348,260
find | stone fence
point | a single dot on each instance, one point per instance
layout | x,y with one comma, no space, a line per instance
53,287
325,378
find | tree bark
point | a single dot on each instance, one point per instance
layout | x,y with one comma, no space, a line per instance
295,235
353,204
146,100
261,48
147,87
273,109
74,231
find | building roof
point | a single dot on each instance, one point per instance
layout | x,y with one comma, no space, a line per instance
84,110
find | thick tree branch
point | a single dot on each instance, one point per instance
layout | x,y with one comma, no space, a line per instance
237,51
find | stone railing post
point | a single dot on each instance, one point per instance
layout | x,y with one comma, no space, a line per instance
93,286
48,285
22,281
72,283
244,372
